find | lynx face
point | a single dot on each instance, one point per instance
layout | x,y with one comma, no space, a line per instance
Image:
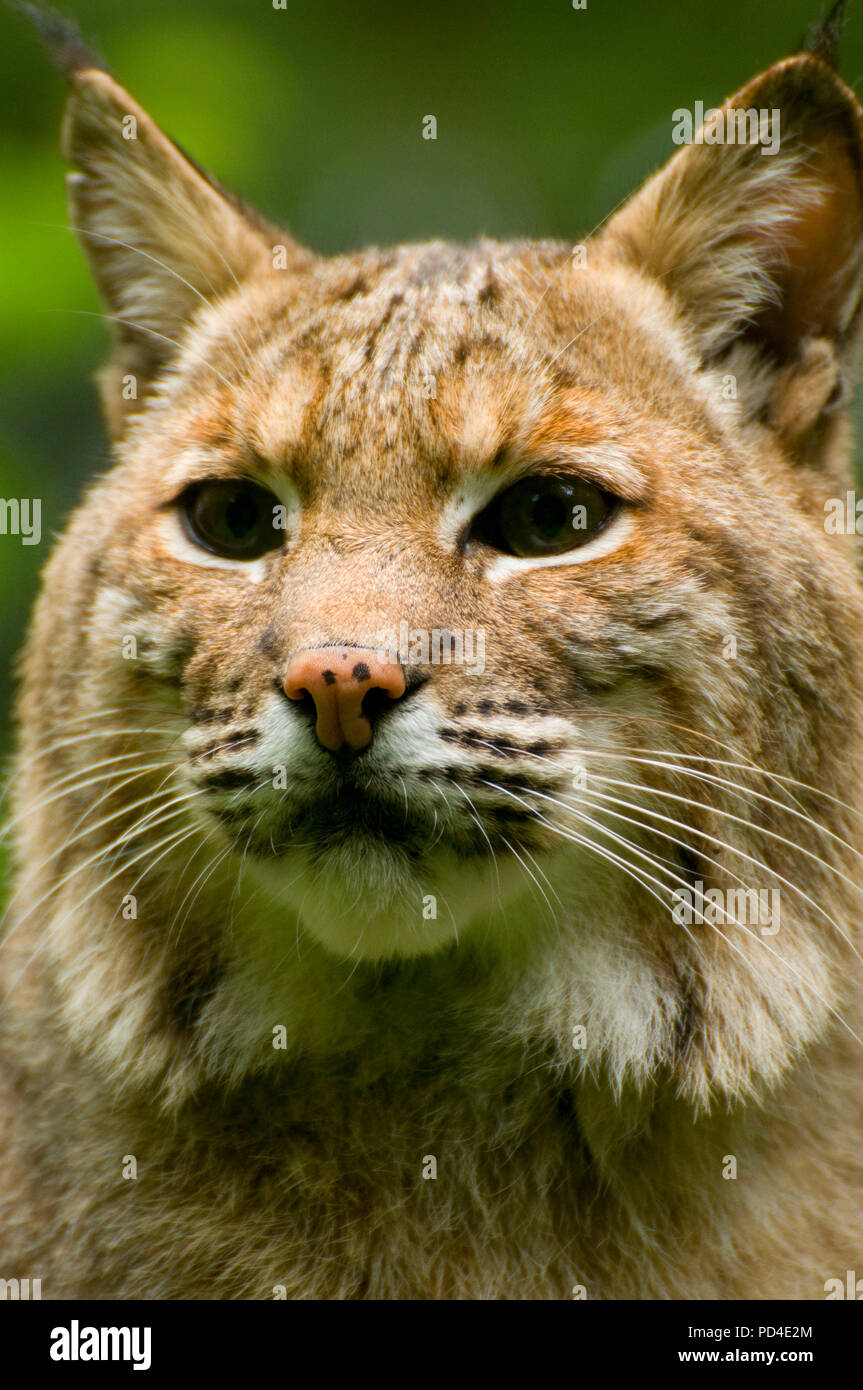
586,524
478,590
500,522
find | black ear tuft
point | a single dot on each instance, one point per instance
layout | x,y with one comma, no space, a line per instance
67,48
822,39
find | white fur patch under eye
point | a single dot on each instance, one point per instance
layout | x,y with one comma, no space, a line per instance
608,539
170,530
473,496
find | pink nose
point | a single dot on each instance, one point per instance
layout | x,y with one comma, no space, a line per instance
338,679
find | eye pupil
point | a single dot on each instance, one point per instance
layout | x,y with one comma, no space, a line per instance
231,519
241,514
549,515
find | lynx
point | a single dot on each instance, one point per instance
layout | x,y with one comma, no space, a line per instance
340,963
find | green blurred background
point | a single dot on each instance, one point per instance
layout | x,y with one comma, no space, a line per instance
546,116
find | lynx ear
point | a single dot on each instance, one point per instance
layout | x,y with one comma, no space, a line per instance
161,238
756,229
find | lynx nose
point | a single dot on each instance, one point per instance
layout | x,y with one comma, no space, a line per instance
338,679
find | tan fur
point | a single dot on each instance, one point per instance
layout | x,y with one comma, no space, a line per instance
301,1168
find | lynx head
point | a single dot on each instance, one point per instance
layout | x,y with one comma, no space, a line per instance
446,594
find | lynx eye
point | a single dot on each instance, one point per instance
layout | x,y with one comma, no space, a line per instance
545,516
231,518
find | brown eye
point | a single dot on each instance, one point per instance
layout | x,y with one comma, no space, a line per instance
234,519
545,516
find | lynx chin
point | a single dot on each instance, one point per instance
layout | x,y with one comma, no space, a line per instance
295,909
